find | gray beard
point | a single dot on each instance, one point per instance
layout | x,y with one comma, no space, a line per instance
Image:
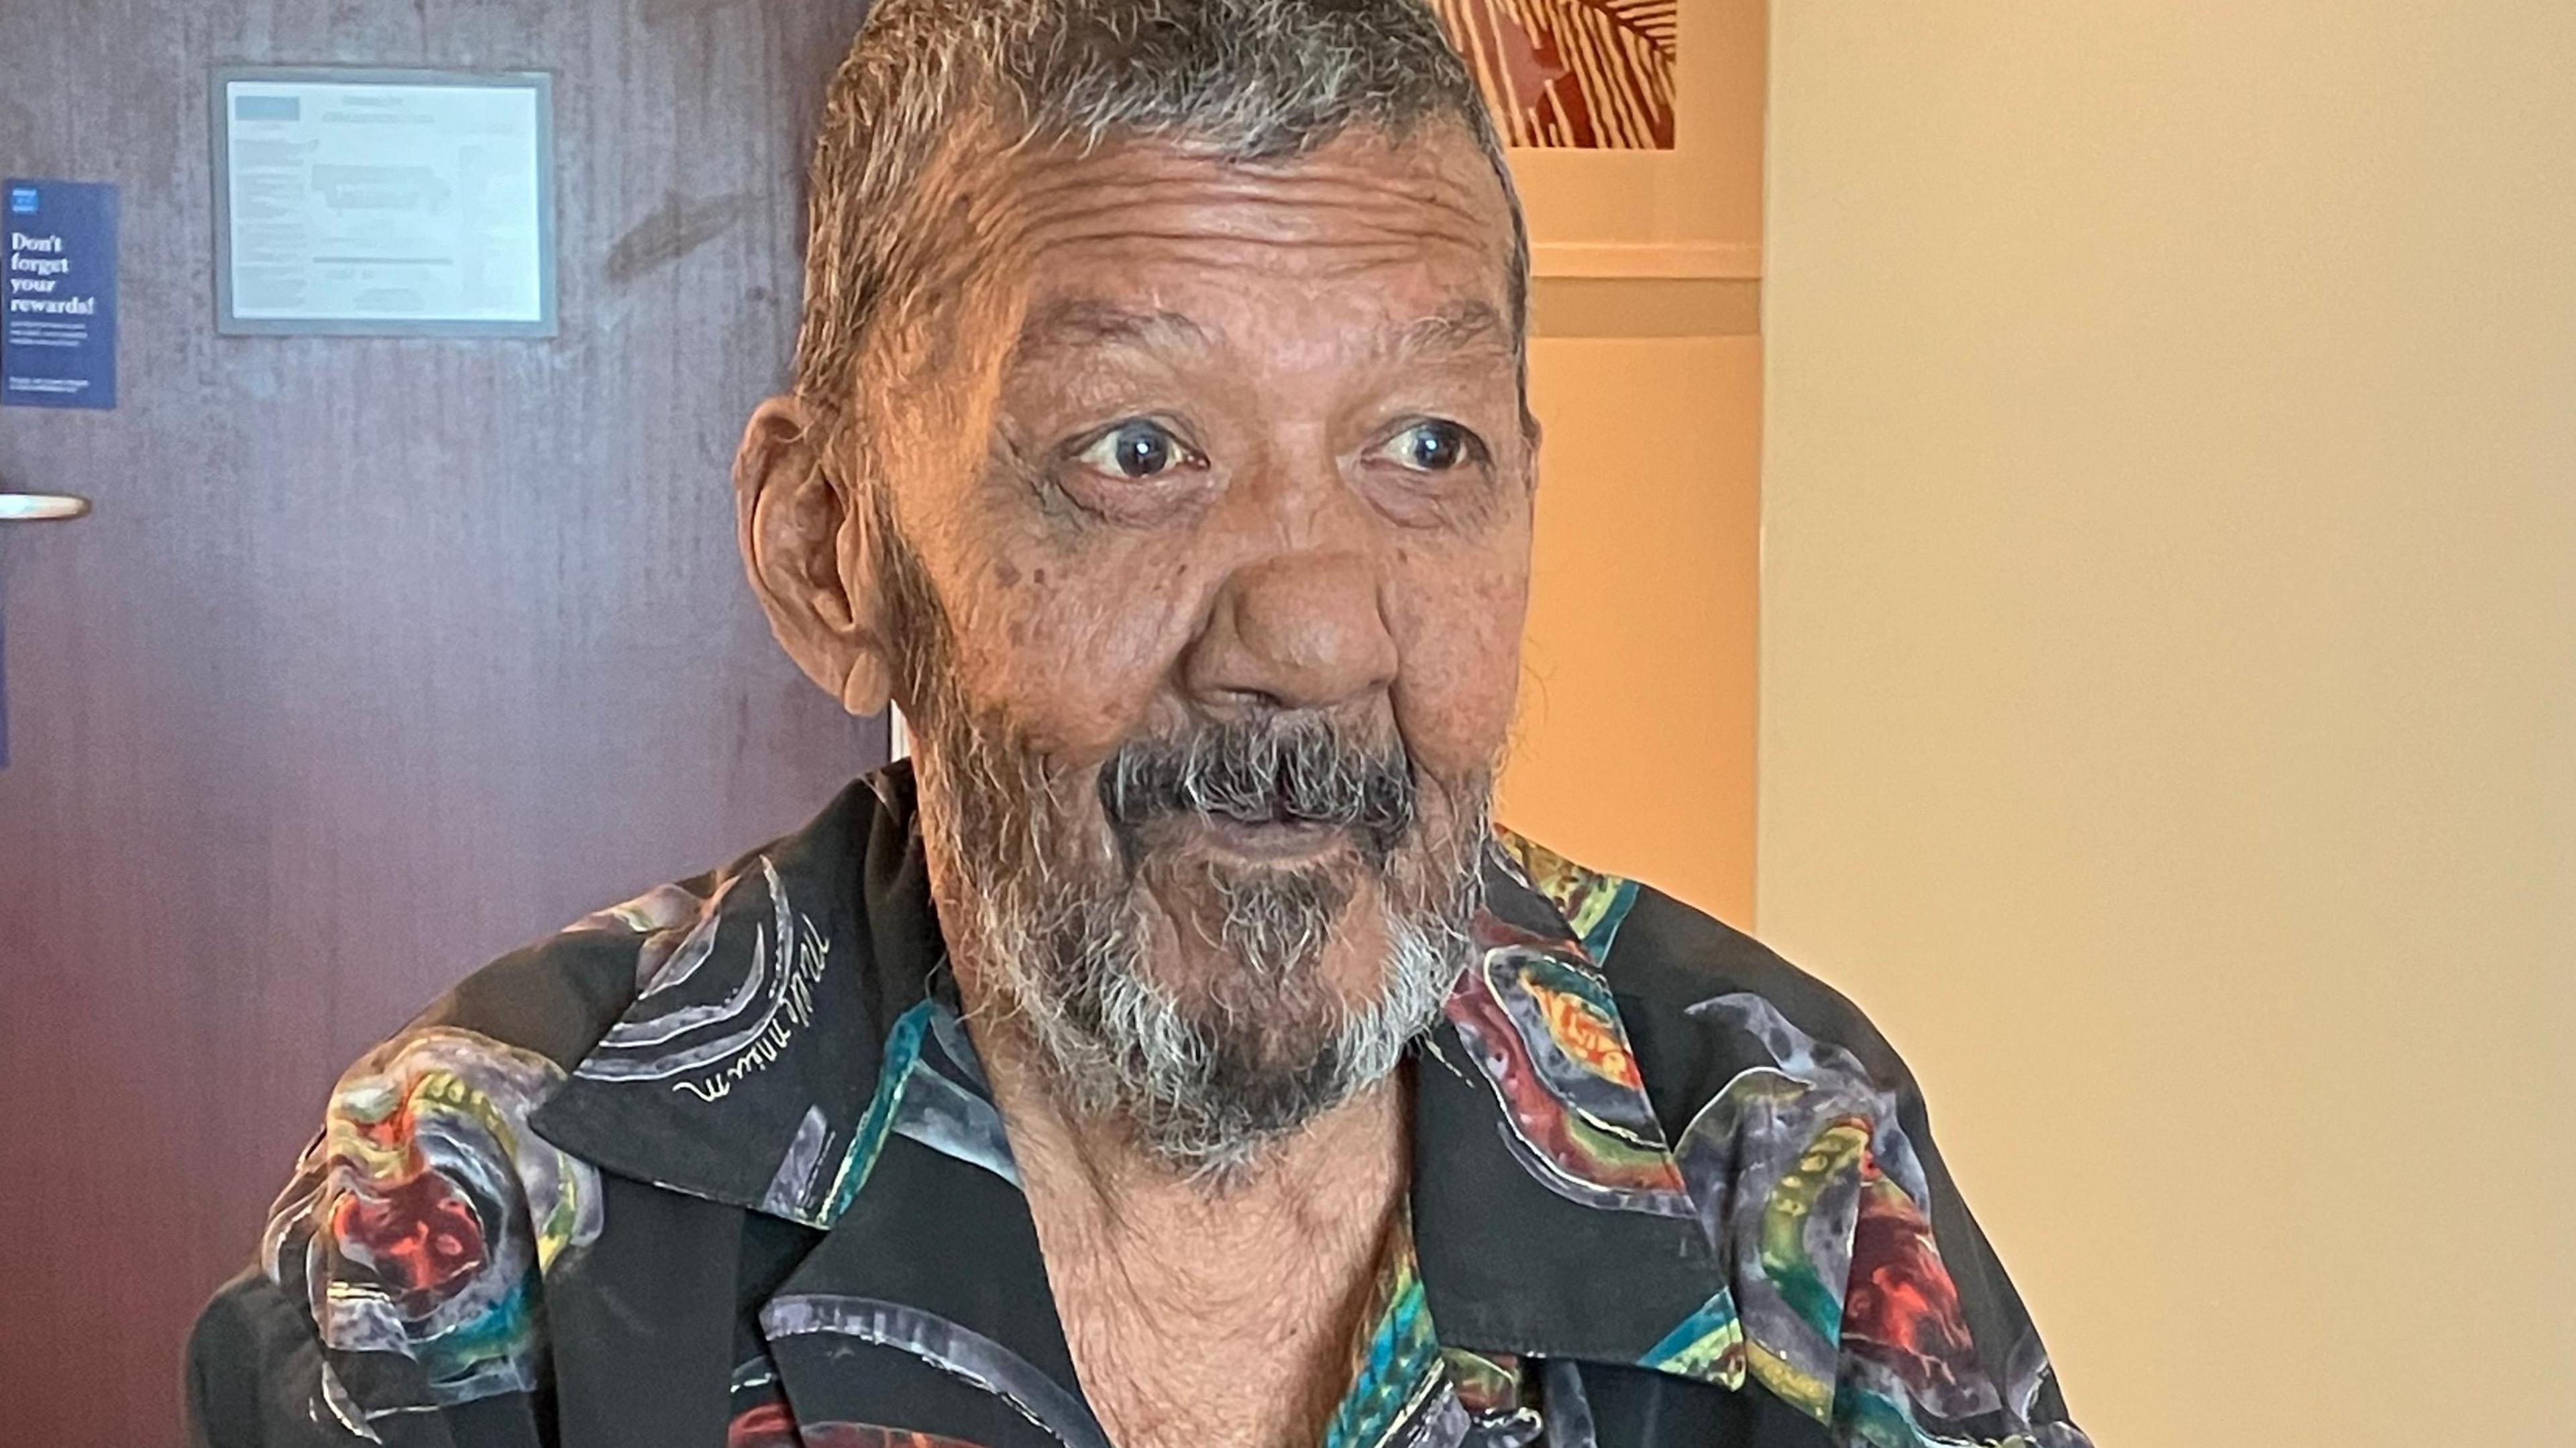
1059,926
1052,909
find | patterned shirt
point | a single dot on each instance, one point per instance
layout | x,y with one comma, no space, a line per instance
719,1166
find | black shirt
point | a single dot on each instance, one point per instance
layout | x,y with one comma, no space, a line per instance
719,1167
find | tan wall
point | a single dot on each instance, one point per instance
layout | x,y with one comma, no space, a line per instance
2169,674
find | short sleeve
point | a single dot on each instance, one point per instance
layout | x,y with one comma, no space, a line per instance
1869,1299
399,1294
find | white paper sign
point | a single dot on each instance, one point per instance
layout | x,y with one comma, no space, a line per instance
423,206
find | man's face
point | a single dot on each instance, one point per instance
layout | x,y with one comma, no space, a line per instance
1209,520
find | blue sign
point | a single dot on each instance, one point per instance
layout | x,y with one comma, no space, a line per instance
58,295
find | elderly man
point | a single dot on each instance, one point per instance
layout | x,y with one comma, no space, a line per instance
1179,1056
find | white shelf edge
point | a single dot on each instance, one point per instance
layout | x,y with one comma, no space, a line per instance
1718,260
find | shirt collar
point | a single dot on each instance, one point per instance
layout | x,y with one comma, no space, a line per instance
1549,1213
793,1023
768,996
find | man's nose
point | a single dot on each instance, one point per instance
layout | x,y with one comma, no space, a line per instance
1295,631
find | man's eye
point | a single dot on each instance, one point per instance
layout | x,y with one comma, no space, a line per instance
1136,450
1432,447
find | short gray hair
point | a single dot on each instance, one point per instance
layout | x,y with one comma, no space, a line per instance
1245,79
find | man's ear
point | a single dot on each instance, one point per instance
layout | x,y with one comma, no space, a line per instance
804,543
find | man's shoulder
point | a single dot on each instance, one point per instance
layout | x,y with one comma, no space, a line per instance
558,996
401,1268
1882,1311
420,1220
398,1271
1698,998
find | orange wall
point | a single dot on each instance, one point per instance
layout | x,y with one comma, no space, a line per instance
1635,750
1635,747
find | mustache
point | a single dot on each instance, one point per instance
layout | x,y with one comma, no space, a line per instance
1279,769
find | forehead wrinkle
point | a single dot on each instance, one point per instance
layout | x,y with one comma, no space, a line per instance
1076,327
1465,325
1160,188
1045,214
1258,218
1088,323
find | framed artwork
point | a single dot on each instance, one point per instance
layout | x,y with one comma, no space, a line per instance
1635,128
1585,75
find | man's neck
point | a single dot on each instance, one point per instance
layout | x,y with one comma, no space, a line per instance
1204,1311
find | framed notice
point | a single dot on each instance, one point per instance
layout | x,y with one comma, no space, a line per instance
384,202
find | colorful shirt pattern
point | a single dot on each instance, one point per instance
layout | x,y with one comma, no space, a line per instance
719,1165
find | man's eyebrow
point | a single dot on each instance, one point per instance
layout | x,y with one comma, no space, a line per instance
1458,327
1088,322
